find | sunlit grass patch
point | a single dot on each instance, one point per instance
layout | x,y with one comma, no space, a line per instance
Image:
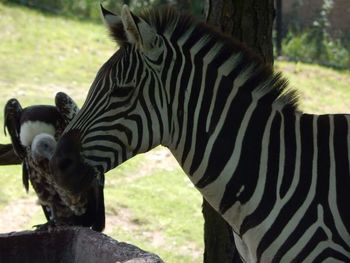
163,211
11,184
322,90
41,52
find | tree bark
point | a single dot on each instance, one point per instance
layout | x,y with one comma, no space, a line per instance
183,4
251,22
219,246
279,27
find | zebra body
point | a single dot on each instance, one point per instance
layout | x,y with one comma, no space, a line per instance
279,177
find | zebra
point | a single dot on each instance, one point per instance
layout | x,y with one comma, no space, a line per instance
277,175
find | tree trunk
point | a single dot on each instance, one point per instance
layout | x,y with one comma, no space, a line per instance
219,246
251,22
183,4
279,27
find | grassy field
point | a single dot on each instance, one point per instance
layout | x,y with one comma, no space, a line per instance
322,90
149,201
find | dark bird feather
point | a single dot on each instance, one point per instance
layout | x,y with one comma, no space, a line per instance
12,118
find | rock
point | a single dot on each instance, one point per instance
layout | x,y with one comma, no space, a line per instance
69,245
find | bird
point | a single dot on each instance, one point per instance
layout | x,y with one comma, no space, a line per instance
34,131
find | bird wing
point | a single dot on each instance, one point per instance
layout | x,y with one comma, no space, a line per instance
25,174
66,106
8,155
12,117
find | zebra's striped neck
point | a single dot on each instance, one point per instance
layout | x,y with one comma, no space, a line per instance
228,162
216,95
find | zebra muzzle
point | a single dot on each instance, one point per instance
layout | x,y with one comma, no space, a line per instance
69,170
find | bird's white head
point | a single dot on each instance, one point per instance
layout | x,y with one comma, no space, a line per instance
43,147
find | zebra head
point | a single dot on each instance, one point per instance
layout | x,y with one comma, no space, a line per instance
117,120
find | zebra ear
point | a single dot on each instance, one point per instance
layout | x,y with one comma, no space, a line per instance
114,24
138,32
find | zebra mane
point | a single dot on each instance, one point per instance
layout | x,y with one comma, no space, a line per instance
168,21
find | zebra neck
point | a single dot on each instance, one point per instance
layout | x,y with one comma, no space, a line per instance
225,161
223,106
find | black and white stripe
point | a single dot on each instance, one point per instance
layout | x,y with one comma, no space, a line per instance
279,177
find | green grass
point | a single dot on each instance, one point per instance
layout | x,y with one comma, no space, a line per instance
40,54
165,206
322,90
11,178
164,209
156,209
